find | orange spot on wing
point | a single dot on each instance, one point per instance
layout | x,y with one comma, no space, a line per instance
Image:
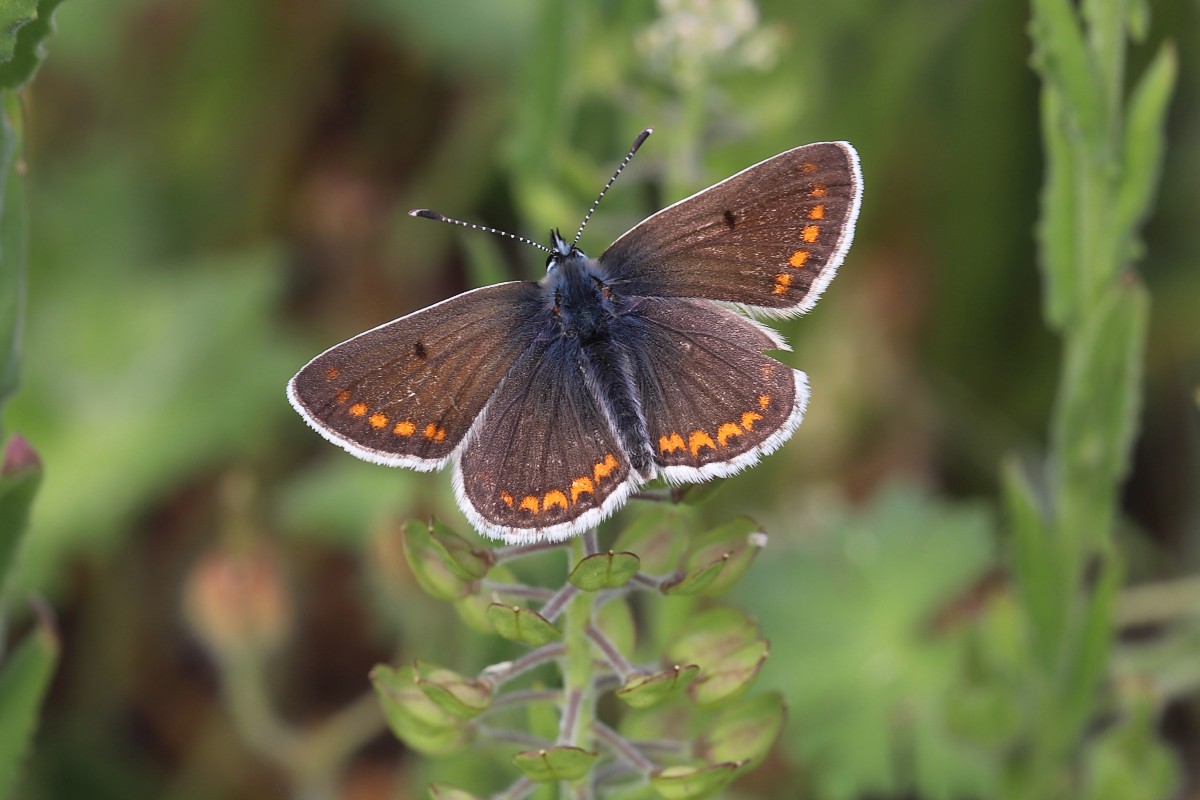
581,485
332,374
818,190
378,420
764,400
817,211
530,504
782,282
554,498
810,233
604,468
358,409
669,444
698,439
343,396
507,499
727,430
405,428
434,433
808,166
748,420
798,258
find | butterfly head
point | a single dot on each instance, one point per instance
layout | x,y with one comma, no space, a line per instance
561,252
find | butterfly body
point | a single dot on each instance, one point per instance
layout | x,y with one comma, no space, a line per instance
558,399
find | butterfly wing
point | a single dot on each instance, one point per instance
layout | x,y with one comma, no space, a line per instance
406,393
713,402
770,237
544,462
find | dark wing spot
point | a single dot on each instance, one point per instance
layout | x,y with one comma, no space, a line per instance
730,220
419,351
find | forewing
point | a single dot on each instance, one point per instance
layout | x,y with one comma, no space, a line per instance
407,392
713,402
771,237
544,462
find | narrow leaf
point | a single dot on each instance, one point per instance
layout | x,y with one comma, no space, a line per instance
1058,254
1063,58
1097,416
1037,563
24,679
1145,140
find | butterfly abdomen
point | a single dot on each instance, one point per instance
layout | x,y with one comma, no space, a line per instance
608,369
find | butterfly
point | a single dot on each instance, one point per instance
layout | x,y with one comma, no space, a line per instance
556,400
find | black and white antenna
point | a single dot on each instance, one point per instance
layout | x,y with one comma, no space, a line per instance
641,137
427,214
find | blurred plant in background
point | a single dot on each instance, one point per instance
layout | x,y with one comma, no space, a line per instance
26,664
218,189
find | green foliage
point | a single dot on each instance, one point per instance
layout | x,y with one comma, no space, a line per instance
24,679
1104,160
711,664
26,671
24,27
859,603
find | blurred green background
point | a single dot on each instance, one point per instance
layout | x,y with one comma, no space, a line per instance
218,191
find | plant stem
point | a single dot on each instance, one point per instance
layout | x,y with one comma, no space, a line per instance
579,695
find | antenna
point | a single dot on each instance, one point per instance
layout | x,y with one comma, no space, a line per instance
427,214
641,137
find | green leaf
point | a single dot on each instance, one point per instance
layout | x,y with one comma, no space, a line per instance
12,247
14,15
735,545
465,561
20,476
1058,253
1038,564
421,723
644,691
745,732
560,763
1063,58
728,677
696,579
452,692
1145,140
1088,657
609,570
24,678
22,39
522,625
727,646
1105,22
692,783
430,565
1098,407
712,635
866,670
